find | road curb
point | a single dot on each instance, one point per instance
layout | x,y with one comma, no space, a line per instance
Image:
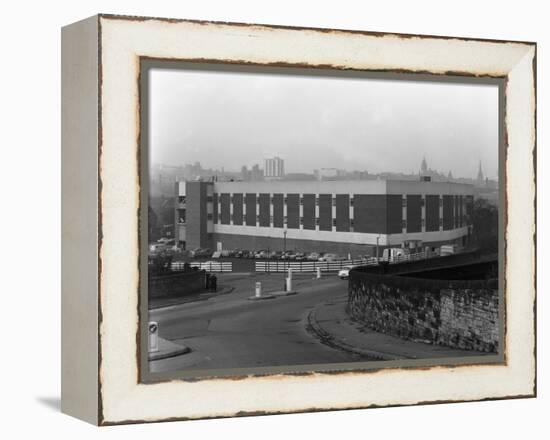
314,328
168,349
284,293
259,298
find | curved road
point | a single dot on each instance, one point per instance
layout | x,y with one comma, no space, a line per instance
230,331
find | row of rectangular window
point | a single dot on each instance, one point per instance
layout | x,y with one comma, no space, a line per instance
272,200
423,202
333,201
460,220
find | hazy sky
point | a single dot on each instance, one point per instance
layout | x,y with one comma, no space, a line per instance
228,120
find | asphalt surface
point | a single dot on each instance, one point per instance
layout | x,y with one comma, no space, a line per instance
230,331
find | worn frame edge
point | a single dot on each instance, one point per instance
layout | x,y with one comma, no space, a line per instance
80,198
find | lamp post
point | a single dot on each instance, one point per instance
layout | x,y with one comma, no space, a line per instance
377,244
284,251
268,258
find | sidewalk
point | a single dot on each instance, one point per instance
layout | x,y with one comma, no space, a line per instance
330,323
167,349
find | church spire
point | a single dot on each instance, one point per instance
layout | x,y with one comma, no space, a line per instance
423,165
480,177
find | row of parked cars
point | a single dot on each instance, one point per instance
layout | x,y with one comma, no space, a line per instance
265,254
163,246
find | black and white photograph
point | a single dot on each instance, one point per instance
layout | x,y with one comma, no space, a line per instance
310,220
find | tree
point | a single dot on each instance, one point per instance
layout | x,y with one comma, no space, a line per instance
154,225
160,264
485,222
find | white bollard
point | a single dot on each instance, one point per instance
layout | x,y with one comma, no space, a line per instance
153,336
289,280
318,272
258,290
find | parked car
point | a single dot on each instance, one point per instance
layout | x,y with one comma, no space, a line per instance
391,254
163,246
201,253
263,254
329,257
300,256
343,273
448,249
288,255
166,241
276,255
367,259
156,247
243,254
313,256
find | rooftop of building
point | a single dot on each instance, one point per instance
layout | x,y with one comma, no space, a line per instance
346,187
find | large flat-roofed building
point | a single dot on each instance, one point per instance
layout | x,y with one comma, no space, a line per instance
329,216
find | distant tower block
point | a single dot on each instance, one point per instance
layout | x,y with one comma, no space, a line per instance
274,168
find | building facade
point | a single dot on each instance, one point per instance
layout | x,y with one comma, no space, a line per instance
344,217
274,168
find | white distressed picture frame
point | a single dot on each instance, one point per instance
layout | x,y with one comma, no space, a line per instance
101,201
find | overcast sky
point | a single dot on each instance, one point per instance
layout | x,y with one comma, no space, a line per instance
228,120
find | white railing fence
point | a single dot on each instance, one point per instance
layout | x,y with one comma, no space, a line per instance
409,257
331,266
209,266
309,266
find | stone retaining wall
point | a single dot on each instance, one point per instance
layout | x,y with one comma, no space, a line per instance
177,284
461,314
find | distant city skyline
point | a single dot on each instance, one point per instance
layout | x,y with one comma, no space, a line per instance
256,169
230,120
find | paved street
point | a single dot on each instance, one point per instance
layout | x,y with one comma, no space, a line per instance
229,331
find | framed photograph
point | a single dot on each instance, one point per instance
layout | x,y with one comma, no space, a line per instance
264,219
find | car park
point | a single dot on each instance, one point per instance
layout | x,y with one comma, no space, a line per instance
228,253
